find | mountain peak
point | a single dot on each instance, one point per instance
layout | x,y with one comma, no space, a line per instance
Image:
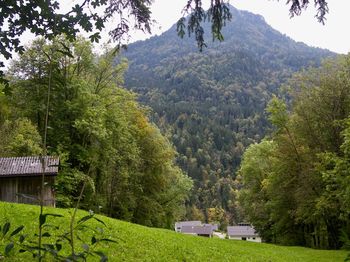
212,103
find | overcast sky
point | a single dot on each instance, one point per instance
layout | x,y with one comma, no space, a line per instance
333,35
305,28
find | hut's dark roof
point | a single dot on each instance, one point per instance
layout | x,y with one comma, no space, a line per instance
28,166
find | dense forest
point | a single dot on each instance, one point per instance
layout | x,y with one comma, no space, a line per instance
103,137
295,183
210,104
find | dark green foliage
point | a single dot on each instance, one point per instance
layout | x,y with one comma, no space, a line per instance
53,252
211,104
297,6
218,14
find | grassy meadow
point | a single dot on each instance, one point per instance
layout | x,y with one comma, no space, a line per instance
139,243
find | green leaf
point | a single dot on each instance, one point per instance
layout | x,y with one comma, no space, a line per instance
54,215
84,219
85,23
180,27
58,246
17,230
93,240
6,228
42,219
21,239
46,234
99,220
77,9
8,248
99,23
108,240
95,37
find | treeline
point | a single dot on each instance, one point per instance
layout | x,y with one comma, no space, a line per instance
101,134
295,184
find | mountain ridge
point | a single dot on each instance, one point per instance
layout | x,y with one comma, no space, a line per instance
211,103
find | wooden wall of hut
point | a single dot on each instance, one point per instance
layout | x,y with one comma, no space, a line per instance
26,190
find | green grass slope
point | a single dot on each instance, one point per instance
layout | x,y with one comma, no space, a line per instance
139,243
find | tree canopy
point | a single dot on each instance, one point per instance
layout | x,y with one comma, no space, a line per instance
101,134
295,184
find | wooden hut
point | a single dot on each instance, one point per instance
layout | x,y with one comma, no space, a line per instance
21,178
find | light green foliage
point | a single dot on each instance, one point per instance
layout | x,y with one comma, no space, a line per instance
278,112
301,184
4,110
100,133
257,165
19,138
139,243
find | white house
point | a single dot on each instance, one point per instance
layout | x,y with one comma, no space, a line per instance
202,230
243,232
195,228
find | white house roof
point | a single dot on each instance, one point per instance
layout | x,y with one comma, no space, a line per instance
214,226
241,231
199,230
187,223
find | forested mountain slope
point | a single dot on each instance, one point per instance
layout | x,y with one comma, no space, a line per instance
211,103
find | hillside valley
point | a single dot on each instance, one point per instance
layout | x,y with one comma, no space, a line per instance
105,153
